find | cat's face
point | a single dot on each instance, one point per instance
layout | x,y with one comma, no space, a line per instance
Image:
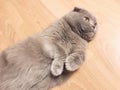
87,24
84,22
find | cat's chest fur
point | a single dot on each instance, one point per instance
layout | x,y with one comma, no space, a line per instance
60,38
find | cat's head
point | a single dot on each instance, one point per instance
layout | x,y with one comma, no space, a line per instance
82,23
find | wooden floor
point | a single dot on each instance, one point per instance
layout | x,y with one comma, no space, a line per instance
101,71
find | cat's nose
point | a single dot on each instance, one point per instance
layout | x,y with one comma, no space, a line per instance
93,27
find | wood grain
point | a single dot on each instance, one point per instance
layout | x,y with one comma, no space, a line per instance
101,71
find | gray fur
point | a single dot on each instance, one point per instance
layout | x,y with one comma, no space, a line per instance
50,57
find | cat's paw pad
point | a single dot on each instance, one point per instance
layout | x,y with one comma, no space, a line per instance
57,68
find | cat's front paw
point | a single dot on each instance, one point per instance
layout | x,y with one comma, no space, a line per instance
74,61
57,67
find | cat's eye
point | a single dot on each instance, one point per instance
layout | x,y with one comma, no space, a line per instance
86,19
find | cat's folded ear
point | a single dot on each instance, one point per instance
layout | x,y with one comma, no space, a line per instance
76,9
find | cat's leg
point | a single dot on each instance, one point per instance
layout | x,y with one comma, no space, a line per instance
59,57
74,60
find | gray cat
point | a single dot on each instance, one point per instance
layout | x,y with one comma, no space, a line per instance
50,57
